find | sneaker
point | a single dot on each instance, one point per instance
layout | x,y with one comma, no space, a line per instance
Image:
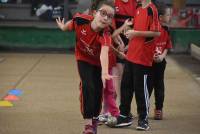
143,125
158,114
89,129
112,120
120,121
103,117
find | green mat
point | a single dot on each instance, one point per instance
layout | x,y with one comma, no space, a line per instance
45,39
182,38
28,37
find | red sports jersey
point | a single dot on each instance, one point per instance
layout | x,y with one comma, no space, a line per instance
89,42
163,41
141,49
112,58
124,11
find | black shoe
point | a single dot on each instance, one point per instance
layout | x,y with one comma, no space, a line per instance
143,125
121,121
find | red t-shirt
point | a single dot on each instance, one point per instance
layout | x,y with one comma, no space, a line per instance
141,49
163,41
112,55
112,58
89,42
124,11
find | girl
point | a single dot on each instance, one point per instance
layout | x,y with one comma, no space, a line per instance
93,39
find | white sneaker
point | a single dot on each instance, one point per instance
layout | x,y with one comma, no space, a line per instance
103,117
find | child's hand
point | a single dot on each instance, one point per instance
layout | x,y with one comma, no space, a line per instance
126,25
155,58
158,58
60,23
105,77
126,48
130,34
128,22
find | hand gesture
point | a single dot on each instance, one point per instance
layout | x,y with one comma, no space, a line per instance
126,48
158,58
128,22
127,25
105,77
60,23
130,34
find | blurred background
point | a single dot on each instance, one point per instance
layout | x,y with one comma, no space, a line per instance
30,24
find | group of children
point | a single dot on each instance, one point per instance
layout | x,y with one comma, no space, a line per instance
120,47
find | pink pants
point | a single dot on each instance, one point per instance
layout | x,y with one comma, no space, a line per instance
109,98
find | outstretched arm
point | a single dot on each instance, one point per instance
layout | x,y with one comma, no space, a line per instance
104,65
133,33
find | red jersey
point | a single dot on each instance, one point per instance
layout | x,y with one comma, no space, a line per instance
141,49
124,11
112,59
163,41
89,42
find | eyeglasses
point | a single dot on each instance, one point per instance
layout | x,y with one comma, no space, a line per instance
103,13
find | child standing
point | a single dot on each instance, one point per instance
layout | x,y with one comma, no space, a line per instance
125,9
93,39
163,43
137,68
110,107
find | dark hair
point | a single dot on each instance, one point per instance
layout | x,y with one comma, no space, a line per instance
161,6
96,4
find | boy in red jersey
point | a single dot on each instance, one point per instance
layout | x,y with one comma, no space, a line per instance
163,43
138,64
93,39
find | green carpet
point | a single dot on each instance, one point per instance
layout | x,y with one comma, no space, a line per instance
28,37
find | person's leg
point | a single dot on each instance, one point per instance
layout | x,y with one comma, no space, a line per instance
159,89
118,71
87,94
127,90
110,97
159,85
110,107
151,81
105,99
98,92
141,74
103,117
